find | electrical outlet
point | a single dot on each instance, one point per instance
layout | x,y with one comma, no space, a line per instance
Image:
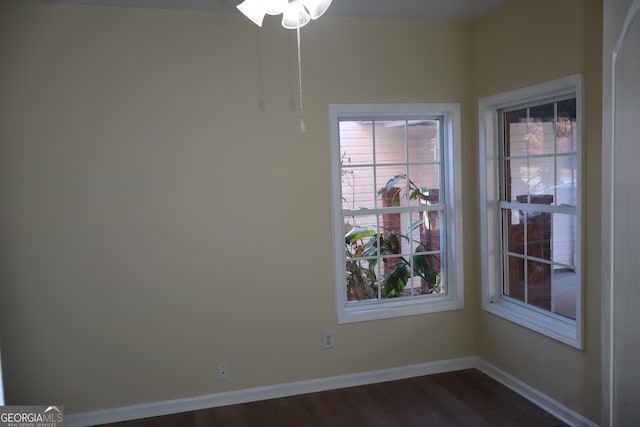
327,340
223,372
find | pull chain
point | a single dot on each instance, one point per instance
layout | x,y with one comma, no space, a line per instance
302,127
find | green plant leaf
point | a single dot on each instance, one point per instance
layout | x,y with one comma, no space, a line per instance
419,193
372,270
391,183
370,248
396,281
416,224
422,267
357,234
391,243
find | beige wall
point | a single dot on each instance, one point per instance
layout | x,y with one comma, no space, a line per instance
155,192
524,43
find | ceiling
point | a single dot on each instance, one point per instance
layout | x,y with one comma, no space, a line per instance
392,9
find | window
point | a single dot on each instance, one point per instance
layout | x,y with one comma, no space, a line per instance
530,165
397,216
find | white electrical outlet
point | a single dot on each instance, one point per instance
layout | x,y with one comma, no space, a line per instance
223,372
327,340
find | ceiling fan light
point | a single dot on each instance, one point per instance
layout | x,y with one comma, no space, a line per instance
295,16
316,8
254,10
275,7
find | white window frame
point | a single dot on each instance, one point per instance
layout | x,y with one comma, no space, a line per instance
453,298
552,325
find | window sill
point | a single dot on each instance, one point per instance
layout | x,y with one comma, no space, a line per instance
553,326
360,312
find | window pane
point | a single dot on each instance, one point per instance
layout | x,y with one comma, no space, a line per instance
538,239
539,175
427,236
361,280
399,235
566,126
513,223
564,239
423,141
541,131
361,242
530,179
515,130
358,190
415,286
391,226
565,285
396,194
395,276
356,143
567,176
424,184
428,273
389,142
358,230
516,178
539,284
514,277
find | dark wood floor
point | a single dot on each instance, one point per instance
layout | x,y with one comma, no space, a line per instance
461,398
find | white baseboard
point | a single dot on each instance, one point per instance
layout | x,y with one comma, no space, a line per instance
154,409
145,410
533,395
